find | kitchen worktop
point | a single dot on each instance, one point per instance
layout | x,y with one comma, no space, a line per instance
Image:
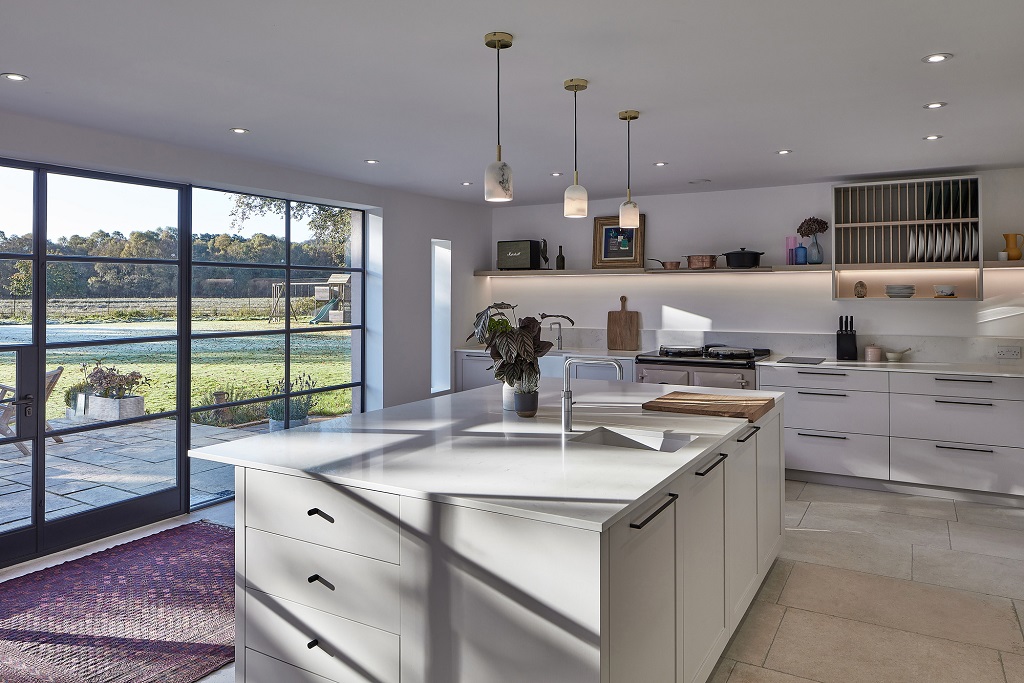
464,449
601,352
993,368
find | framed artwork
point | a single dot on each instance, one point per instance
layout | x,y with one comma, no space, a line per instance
616,247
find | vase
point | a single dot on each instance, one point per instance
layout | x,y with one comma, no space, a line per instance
815,254
526,404
508,397
100,408
1013,245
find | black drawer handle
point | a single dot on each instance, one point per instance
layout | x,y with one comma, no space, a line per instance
827,374
964,403
973,381
325,582
321,513
822,436
721,459
671,499
961,448
313,643
821,393
753,430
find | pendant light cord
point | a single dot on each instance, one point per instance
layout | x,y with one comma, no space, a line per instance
498,51
628,157
575,143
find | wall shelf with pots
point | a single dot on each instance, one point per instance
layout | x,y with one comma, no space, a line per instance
922,232
656,271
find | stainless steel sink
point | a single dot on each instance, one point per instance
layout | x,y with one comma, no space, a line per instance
643,440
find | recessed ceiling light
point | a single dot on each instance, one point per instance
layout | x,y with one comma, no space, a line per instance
373,161
785,151
931,137
661,163
239,131
936,58
556,174
700,181
466,183
935,105
14,77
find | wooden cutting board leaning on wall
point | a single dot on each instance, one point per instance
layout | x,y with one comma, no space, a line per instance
623,329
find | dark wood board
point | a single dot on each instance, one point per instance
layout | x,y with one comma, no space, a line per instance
752,408
623,329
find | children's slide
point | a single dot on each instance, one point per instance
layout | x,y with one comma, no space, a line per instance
324,312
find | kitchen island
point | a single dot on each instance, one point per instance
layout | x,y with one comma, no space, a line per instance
448,540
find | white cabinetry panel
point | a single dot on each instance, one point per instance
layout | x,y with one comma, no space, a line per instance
977,386
263,669
856,455
770,493
958,465
824,378
968,420
741,528
473,370
836,410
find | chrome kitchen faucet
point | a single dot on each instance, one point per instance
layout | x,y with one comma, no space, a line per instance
558,341
566,391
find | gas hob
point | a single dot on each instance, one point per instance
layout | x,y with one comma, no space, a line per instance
717,355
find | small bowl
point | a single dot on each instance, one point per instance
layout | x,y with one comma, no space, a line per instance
894,356
944,290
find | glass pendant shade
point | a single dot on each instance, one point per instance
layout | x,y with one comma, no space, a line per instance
498,182
575,204
629,214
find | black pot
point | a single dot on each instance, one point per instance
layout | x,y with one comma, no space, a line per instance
743,258
526,404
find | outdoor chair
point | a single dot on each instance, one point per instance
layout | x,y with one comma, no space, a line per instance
9,412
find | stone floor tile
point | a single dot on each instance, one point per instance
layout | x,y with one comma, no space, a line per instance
969,571
223,675
1013,667
795,510
881,501
64,486
793,488
152,488
990,515
773,584
987,540
21,478
744,673
755,634
100,495
722,670
215,480
896,527
200,465
198,497
10,487
68,511
12,524
15,505
963,616
849,550
834,650
55,502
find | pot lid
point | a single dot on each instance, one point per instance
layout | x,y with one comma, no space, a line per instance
743,250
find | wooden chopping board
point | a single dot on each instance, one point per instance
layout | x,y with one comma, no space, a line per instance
753,408
623,329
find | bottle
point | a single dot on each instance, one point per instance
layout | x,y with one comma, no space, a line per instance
559,260
800,255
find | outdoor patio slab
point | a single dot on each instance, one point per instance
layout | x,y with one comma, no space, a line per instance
101,495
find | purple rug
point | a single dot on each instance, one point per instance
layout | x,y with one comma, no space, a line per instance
161,608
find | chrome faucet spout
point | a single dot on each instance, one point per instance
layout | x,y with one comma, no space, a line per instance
567,391
558,341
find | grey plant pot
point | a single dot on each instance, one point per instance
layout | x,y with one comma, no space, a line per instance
101,408
278,425
526,404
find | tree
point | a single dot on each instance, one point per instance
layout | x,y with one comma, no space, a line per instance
20,282
331,227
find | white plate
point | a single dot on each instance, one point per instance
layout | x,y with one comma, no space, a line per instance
912,245
947,243
929,250
975,243
900,296
958,250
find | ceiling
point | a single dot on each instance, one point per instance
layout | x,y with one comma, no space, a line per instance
721,86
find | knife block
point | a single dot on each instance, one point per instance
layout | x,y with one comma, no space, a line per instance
846,345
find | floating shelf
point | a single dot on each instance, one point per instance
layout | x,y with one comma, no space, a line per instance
658,271
1004,264
947,265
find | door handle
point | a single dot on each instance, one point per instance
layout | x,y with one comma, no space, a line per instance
961,448
640,525
964,403
753,430
827,374
973,381
822,436
704,472
821,393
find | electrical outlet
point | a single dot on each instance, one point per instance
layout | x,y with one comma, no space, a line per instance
1007,352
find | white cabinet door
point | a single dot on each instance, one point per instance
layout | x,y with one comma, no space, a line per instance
700,557
741,527
770,493
968,420
642,618
473,370
832,410
854,455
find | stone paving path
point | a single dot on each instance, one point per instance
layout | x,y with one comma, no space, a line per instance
97,468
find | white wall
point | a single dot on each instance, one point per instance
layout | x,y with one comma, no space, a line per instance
399,367
758,219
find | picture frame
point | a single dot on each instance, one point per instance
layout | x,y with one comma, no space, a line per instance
616,247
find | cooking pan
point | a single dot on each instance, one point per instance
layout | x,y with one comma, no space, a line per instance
702,261
667,265
743,258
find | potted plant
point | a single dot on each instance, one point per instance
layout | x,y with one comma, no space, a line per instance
515,352
489,322
298,406
812,227
111,393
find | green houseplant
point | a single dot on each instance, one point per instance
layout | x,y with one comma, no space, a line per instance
298,406
515,352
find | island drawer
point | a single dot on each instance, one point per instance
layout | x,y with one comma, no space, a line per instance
341,517
260,668
856,455
835,410
998,469
823,378
966,420
344,584
338,649
977,386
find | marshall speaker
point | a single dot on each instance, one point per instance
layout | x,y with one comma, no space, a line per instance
522,254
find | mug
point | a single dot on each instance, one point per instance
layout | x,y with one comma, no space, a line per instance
1003,256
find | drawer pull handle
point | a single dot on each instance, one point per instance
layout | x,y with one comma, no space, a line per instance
313,643
827,374
822,436
318,511
753,430
820,393
671,499
961,448
704,472
973,381
964,403
325,582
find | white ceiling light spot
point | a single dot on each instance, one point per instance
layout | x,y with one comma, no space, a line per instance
373,161
936,105
785,151
661,163
466,183
937,57
556,174
239,131
17,78
932,137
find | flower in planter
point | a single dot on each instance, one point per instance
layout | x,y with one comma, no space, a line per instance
812,226
112,383
299,406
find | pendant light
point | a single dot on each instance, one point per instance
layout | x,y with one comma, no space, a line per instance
629,212
575,202
498,176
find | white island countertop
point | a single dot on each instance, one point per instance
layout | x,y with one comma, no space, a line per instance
464,449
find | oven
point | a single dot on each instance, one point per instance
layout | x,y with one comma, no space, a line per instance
708,366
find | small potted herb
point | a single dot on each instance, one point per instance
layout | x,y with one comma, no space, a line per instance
299,406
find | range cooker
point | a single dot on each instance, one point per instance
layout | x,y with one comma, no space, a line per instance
712,365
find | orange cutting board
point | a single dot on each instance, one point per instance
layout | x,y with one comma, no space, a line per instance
753,408
623,329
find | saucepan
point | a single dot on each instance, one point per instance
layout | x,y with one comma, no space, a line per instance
702,261
667,265
743,258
